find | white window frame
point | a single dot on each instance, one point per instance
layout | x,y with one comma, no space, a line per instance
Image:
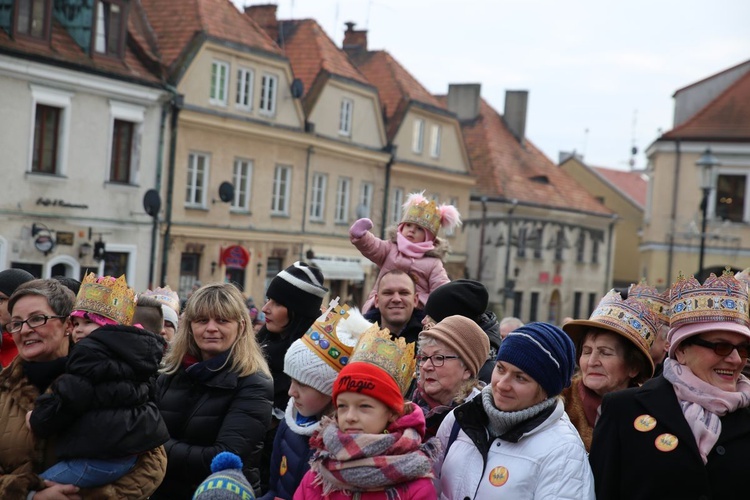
281,190
343,195
268,94
397,200
318,196
366,194
222,91
59,99
192,180
346,115
133,114
417,143
435,141
242,177
245,80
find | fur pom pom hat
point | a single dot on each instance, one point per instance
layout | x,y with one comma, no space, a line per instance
427,214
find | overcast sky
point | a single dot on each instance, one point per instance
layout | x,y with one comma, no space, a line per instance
600,73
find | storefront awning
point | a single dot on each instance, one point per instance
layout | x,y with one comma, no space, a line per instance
348,270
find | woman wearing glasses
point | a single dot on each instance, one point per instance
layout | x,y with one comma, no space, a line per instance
691,424
449,357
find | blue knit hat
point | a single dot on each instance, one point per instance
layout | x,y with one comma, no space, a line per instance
544,352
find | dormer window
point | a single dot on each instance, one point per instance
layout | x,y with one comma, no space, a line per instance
33,18
109,27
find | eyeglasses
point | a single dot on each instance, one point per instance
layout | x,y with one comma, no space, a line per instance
438,360
34,322
722,348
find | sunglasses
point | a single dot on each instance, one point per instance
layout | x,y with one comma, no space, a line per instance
722,349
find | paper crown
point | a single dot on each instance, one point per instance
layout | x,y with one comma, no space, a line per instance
426,213
658,302
744,277
322,339
166,296
108,297
723,298
396,357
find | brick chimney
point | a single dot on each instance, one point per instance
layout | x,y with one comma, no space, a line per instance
463,100
265,16
516,104
355,41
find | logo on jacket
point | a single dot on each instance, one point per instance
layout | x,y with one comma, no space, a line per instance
283,466
666,442
644,423
499,476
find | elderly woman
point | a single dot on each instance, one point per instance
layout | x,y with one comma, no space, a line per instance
449,357
691,425
515,440
215,391
40,326
613,351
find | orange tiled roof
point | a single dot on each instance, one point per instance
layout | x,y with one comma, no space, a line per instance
176,22
632,184
506,168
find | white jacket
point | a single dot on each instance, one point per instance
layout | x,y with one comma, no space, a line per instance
549,461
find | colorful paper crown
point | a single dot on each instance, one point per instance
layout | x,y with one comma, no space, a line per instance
396,357
108,297
658,302
744,277
166,296
323,340
425,213
719,299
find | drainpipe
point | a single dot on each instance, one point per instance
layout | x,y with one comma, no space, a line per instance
506,285
673,215
480,265
391,148
176,104
304,204
155,218
610,255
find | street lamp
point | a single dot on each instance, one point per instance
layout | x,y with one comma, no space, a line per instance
707,162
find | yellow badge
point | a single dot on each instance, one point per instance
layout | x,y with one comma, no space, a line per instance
283,467
666,442
644,423
499,476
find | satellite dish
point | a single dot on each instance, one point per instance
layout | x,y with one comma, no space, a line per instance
226,192
152,202
297,88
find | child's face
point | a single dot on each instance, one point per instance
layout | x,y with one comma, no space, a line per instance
413,232
308,401
82,327
357,413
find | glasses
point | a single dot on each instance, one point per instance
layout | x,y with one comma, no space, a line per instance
438,360
722,348
34,322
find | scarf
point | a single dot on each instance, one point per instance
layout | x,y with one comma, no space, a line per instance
203,371
373,462
703,404
411,249
500,421
42,373
590,402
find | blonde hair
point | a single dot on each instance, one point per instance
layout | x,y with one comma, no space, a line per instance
217,300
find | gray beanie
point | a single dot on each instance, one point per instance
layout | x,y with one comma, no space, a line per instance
10,279
227,482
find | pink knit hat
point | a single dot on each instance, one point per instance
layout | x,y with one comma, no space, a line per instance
677,335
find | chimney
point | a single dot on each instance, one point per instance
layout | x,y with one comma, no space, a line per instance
355,41
265,16
516,104
463,100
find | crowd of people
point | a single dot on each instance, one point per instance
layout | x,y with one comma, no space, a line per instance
105,393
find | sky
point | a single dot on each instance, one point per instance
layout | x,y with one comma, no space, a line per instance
600,74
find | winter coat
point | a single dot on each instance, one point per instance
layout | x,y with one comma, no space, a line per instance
488,322
410,332
102,407
209,410
420,489
23,455
541,458
634,458
427,271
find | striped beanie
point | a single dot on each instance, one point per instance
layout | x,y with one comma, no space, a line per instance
299,288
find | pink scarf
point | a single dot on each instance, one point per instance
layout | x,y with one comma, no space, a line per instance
703,404
411,249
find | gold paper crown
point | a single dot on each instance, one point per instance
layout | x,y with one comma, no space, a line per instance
424,214
108,297
719,299
396,357
166,296
322,339
744,277
658,302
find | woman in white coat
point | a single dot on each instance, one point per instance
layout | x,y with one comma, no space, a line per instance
515,440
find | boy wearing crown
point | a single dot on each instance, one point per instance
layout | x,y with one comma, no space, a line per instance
100,409
413,247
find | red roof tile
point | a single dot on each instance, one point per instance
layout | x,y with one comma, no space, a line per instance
631,184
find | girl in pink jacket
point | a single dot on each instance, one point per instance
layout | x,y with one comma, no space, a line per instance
412,247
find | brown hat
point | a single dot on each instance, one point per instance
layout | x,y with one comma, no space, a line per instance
464,336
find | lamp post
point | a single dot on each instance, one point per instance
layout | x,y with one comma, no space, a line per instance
707,162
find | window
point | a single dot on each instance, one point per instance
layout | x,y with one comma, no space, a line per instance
517,303
244,98
521,247
451,231
577,300
417,144
366,191
189,267
197,175
592,303
534,307
731,196
559,245
580,246
122,149
109,34
46,137
318,196
219,83
268,91
594,251
33,18
396,201
538,243
345,118
342,200
282,179
435,141
243,174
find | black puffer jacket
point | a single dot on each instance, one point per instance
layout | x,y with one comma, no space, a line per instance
488,322
102,406
208,412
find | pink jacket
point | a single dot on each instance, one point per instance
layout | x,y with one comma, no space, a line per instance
428,271
420,489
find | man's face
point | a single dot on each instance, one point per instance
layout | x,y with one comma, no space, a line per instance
395,298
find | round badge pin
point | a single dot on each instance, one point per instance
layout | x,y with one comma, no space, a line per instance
499,476
644,423
666,442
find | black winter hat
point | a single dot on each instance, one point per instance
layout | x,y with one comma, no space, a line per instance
299,288
10,279
467,298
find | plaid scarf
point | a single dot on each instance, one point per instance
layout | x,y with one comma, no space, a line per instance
373,462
